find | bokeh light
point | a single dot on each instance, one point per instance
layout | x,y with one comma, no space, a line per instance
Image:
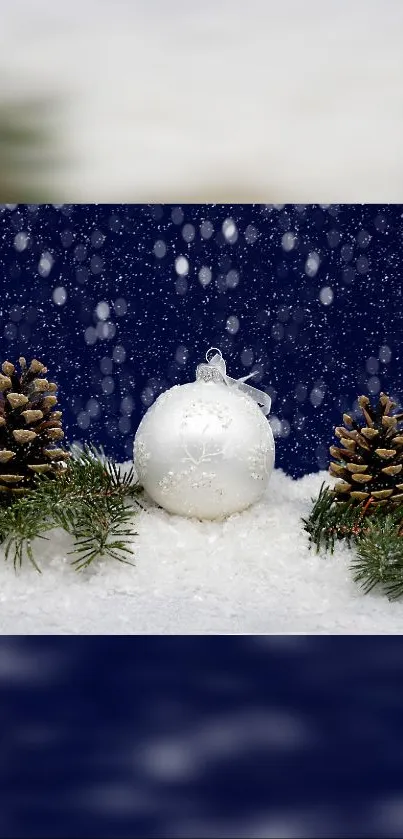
122,302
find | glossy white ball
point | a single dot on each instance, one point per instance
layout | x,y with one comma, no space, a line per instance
204,450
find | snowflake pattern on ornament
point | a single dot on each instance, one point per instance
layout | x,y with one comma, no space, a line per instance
207,410
258,459
174,480
204,480
141,456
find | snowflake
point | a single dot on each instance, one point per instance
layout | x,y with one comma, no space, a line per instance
141,456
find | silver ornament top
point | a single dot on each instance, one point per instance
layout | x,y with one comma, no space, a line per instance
215,371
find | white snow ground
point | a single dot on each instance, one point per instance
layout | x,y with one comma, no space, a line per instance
252,573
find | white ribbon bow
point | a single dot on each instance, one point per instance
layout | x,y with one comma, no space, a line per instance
215,370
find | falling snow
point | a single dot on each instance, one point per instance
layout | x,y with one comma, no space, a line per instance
122,302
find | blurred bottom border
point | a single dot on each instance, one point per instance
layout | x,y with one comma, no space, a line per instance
266,736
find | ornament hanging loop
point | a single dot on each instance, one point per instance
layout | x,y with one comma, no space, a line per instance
213,350
216,371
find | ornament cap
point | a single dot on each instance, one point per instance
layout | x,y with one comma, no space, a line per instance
216,371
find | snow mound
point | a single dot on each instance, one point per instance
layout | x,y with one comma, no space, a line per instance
252,573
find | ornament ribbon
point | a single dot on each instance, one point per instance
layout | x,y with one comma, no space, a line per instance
216,370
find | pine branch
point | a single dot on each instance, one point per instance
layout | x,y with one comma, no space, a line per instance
379,559
20,524
330,521
93,500
104,534
375,535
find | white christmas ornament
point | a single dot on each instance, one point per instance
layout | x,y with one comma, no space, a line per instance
205,449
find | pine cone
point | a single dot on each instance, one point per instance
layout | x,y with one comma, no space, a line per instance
370,463
29,427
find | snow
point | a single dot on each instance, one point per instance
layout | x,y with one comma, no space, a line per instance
282,101
252,573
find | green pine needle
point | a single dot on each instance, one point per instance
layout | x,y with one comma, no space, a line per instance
375,535
379,559
93,501
330,521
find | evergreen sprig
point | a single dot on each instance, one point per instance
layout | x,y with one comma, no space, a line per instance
375,533
93,500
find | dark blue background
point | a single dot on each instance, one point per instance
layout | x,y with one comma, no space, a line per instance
86,724
314,356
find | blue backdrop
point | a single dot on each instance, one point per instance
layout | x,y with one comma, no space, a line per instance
122,302
267,738
297,738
